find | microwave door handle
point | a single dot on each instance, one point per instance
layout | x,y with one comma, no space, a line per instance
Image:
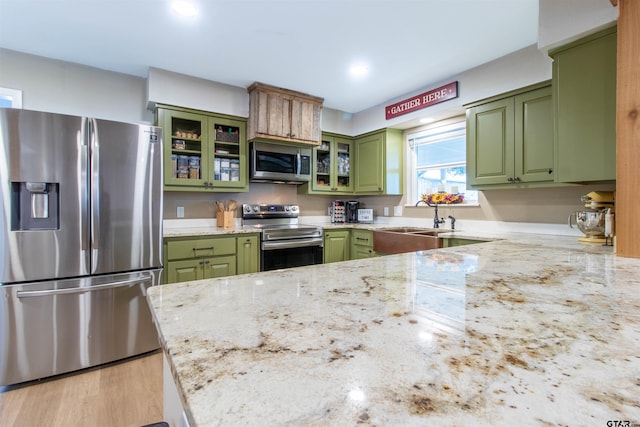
298,163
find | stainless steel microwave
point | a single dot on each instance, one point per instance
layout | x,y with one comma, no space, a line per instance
287,164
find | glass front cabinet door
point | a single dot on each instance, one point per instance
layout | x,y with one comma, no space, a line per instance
203,151
333,165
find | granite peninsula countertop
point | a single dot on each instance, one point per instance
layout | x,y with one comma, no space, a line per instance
530,330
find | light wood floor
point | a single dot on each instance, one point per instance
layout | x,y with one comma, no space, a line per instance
121,394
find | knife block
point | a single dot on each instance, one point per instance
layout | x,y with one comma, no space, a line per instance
224,219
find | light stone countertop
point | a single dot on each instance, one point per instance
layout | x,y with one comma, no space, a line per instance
528,330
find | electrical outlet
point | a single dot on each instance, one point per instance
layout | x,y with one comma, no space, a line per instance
386,211
397,211
180,212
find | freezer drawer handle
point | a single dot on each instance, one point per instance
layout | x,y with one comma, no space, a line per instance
49,292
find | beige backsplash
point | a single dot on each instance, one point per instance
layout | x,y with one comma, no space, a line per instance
540,205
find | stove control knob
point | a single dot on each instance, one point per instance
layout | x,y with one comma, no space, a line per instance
294,208
256,208
287,208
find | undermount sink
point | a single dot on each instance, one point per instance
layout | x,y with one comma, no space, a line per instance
416,230
403,229
426,233
397,240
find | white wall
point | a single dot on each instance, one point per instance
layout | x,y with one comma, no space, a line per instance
518,69
75,89
166,87
64,87
562,21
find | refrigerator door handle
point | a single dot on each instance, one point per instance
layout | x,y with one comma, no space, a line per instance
84,205
95,191
49,292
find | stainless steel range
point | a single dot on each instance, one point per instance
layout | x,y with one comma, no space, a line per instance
284,242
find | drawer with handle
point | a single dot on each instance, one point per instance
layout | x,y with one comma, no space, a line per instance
203,247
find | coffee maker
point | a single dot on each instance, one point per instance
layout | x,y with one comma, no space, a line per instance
351,211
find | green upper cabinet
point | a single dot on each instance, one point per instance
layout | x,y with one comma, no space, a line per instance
203,151
379,162
332,165
584,84
510,139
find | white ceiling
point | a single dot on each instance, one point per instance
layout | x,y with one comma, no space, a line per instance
303,45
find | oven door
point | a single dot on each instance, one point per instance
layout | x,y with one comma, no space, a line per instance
290,253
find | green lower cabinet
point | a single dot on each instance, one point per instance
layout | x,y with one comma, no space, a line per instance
361,244
183,271
248,254
207,257
336,245
450,242
219,267
201,268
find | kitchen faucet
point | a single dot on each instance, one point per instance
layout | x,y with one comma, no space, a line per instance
453,222
436,221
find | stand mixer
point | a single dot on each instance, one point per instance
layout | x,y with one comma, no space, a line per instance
597,222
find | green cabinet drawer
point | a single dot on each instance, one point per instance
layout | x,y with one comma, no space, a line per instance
361,244
204,247
362,238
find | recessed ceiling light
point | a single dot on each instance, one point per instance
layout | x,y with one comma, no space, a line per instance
359,70
427,120
184,8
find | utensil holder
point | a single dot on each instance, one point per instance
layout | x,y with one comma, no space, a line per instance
224,219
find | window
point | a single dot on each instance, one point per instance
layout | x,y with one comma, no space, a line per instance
438,160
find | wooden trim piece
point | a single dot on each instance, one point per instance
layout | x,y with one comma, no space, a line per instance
628,130
284,93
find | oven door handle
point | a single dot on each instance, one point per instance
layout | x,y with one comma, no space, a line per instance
272,237
286,244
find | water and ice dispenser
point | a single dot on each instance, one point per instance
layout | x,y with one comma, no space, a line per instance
34,206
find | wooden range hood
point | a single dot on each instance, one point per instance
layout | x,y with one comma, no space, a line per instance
283,115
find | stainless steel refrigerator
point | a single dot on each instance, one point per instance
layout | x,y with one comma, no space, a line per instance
81,240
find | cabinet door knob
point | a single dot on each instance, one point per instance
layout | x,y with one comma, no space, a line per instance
550,171
517,179
510,179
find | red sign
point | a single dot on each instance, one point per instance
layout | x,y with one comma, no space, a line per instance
432,97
